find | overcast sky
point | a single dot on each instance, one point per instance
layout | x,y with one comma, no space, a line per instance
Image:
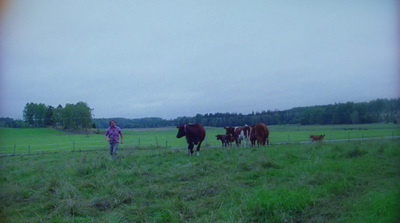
166,59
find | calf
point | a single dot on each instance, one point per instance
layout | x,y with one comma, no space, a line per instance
195,134
316,137
226,139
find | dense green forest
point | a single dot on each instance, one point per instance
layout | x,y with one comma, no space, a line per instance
78,116
380,110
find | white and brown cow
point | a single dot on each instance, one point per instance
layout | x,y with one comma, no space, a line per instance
239,134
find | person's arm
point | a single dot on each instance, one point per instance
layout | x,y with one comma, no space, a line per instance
105,135
122,137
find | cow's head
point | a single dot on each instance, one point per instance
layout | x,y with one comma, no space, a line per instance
229,130
181,131
252,129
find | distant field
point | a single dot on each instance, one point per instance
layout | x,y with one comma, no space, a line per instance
351,181
48,140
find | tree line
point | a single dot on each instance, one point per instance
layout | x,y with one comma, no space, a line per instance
79,116
380,110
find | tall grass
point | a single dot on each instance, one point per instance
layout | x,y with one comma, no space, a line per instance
316,182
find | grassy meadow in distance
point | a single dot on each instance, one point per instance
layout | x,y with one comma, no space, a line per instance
50,140
349,181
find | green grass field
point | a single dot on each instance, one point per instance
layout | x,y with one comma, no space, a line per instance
51,140
351,181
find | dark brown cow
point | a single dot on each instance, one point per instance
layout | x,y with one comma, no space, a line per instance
261,133
239,134
226,139
195,134
317,137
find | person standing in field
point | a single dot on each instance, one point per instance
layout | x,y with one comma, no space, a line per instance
113,133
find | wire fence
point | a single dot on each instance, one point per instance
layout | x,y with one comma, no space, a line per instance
81,145
138,143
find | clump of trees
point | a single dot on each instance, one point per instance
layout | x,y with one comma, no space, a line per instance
71,116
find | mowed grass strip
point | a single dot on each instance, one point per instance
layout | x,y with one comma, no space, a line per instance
354,181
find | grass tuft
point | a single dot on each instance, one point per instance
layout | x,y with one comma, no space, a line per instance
355,152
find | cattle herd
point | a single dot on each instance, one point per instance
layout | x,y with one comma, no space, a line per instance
195,134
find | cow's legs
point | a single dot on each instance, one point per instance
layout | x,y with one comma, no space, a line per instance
190,148
246,142
198,149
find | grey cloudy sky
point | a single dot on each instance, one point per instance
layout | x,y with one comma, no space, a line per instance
171,58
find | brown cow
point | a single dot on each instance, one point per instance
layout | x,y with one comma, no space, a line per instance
317,137
226,139
261,133
195,134
239,134
253,139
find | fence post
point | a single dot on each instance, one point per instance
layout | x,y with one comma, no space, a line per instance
166,143
139,143
73,146
156,141
289,138
29,150
14,148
